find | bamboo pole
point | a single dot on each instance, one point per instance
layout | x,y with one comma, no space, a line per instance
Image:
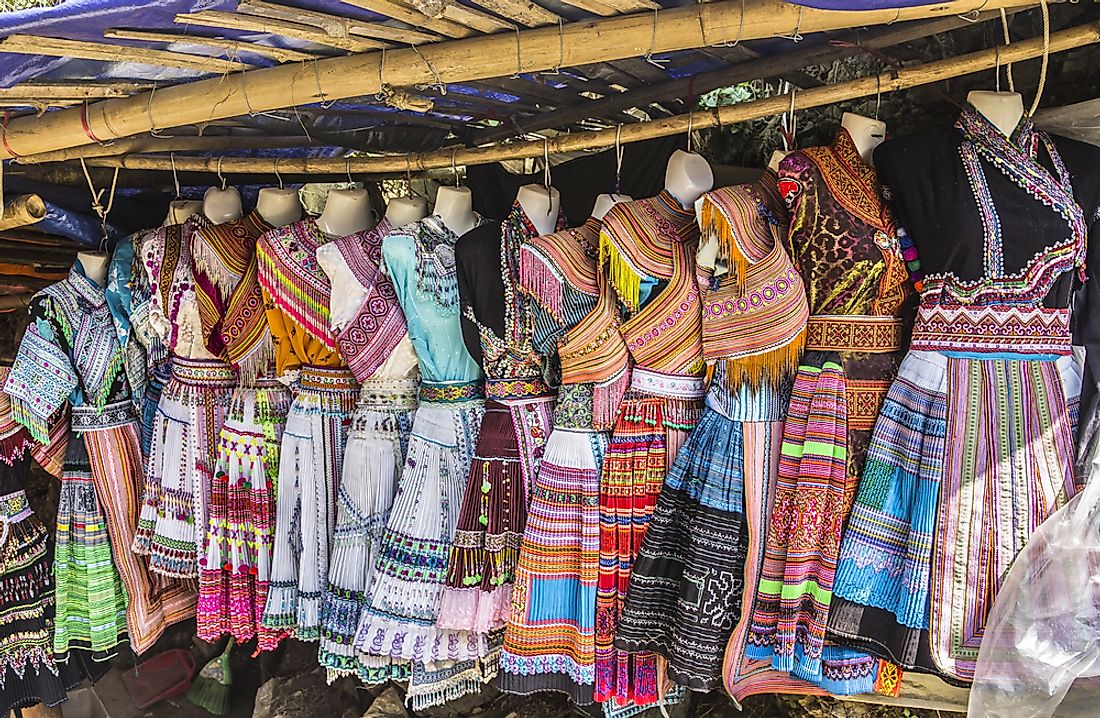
150,144
21,211
111,52
284,28
333,25
229,47
905,78
69,91
475,58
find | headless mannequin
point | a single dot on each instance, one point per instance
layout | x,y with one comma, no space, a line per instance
541,205
406,210
775,159
1003,109
347,211
222,205
455,206
94,265
687,177
180,209
279,207
867,134
605,202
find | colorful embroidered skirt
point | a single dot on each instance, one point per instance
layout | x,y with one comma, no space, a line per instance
236,559
648,434
311,459
373,459
182,456
482,564
550,641
686,586
158,377
972,451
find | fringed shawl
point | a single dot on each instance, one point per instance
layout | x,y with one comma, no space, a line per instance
290,274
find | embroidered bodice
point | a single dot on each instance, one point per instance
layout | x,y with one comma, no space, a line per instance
420,259
842,237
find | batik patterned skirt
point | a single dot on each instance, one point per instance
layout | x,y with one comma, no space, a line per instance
182,456
235,566
483,558
311,459
375,453
839,386
686,586
656,417
972,451
550,644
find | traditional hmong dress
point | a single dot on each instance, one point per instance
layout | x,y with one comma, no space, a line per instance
650,248
686,586
375,342
296,293
550,640
847,250
132,287
190,413
235,563
399,623
975,444
70,353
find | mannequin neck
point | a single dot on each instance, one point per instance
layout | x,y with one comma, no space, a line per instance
775,159
605,202
455,207
1003,109
222,205
687,177
541,205
94,265
279,207
406,210
347,211
180,209
867,134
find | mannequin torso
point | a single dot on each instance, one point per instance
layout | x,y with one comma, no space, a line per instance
222,205
180,209
605,202
775,159
347,211
867,134
1003,109
687,177
406,210
541,205
94,265
279,207
454,205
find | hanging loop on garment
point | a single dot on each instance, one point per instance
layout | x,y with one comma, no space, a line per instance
97,201
278,176
454,167
1046,58
220,175
546,166
1008,66
878,93
691,128
347,169
618,158
175,175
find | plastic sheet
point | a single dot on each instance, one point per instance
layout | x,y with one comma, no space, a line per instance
1040,656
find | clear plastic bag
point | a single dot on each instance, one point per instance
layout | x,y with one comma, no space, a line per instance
1040,656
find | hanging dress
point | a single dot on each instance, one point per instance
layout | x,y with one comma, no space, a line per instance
235,563
375,343
296,295
687,583
70,353
649,246
974,447
399,623
549,643
190,413
145,343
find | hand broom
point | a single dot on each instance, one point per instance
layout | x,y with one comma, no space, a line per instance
212,687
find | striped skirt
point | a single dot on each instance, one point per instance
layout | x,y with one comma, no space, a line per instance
373,459
311,461
182,456
235,567
938,522
550,641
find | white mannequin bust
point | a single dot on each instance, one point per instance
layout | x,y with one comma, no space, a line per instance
1003,109
541,205
222,205
94,265
180,209
406,210
605,202
867,134
347,211
775,159
688,176
455,206
279,207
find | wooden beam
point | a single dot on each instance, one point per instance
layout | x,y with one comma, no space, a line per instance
69,91
403,12
904,78
110,52
22,211
524,12
149,143
229,47
472,17
334,25
297,31
752,69
476,58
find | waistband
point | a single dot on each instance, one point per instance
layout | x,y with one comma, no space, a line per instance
450,392
672,386
853,333
205,372
326,379
517,389
1000,329
14,506
87,417
389,393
